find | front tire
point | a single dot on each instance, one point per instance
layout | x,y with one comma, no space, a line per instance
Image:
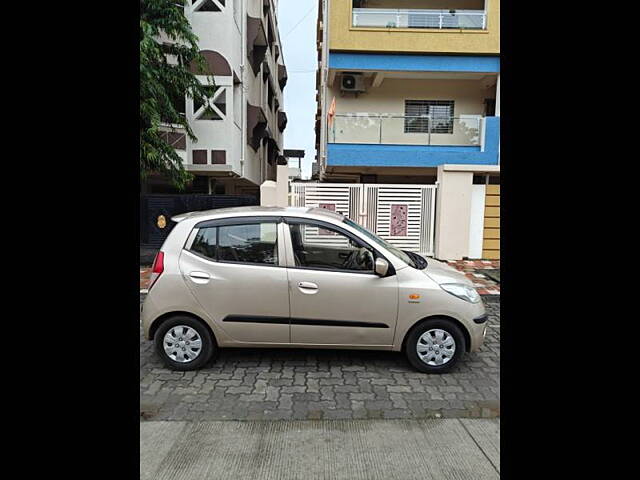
184,343
435,346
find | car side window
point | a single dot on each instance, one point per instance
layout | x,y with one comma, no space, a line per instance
322,247
205,242
250,243
253,243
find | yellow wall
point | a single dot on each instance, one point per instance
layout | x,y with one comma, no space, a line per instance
344,37
491,241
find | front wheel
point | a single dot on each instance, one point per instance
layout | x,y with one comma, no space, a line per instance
435,346
184,343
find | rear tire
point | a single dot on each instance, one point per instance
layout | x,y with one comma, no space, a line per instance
184,343
435,346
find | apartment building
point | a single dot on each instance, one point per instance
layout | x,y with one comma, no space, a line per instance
240,143
408,92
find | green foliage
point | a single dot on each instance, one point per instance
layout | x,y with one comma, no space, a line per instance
167,48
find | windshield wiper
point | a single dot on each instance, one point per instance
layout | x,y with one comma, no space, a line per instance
419,260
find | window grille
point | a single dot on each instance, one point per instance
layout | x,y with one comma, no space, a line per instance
417,113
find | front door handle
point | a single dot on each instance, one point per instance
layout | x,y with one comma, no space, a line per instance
308,286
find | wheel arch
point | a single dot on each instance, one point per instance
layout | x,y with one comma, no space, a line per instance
455,321
166,316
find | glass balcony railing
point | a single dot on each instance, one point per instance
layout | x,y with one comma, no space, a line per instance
463,130
440,19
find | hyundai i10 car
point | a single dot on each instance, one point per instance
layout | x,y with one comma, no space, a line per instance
267,277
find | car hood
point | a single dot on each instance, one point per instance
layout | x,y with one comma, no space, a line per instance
441,273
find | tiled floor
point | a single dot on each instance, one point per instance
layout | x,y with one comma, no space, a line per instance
483,284
145,273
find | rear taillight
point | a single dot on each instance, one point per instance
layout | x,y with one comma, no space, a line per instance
157,268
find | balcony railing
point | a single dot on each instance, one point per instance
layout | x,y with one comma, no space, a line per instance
406,130
440,19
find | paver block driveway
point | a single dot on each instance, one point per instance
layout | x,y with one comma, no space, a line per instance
262,384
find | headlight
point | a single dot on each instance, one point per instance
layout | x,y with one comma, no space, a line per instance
462,291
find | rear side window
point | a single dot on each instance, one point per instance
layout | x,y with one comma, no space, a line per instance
253,243
205,242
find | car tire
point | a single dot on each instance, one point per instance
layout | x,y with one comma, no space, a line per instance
175,355
435,345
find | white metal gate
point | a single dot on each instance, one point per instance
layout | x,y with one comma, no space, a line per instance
404,215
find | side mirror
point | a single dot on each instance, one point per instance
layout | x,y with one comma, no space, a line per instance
382,266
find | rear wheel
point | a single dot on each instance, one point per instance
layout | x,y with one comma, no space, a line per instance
184,343
435,346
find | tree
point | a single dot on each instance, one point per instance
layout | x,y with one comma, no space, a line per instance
168,48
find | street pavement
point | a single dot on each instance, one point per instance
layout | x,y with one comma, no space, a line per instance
440,449
288,384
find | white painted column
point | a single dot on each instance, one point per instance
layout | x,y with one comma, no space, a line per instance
498,97
453,213
268,197
476,225
282,186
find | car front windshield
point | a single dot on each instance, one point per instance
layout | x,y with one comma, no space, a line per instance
397,252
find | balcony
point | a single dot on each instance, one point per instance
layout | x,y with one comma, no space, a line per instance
389,129
404,18
444,27
388,140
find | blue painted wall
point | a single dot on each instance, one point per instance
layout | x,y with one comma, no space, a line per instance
374,155
414,63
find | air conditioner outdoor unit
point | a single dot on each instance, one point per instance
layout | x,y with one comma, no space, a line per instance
352,82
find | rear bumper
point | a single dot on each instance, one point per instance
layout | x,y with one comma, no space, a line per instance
147,314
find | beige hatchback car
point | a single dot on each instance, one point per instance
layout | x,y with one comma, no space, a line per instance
305,278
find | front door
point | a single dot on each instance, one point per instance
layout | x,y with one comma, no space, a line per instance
235,269
335,296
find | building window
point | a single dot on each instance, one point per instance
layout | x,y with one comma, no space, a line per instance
176,140
218,157
217,101
199,157
179,104
207,5
417,113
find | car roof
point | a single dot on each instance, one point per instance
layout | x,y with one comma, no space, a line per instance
309,212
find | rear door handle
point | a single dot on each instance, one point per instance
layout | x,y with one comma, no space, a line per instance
308,285
200,277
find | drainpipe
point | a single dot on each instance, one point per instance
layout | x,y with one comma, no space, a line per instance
243,109
322,157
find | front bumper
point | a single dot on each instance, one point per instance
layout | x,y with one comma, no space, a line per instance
481,319
477,327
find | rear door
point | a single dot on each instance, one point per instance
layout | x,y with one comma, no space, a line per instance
235,269
336,298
